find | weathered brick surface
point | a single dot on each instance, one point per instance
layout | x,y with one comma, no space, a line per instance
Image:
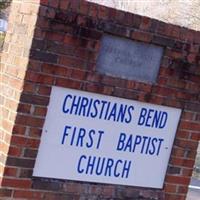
56,42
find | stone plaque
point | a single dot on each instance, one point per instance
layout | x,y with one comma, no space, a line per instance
128,59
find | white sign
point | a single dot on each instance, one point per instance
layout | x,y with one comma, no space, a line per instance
104,139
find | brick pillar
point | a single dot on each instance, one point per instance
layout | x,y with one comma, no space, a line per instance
56,42
14,61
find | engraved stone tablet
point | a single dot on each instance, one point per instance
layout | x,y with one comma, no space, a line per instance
128,59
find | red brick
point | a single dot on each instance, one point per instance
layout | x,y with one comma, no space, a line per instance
71,62
146,23
39,78
54,3
183,134
74,5
56,70
186,143
84,7
68,83
195,136
192,58
15,151
187,172
18,129
5,192
70,40
91,77
63,4
24,108
177,180
182,162
170,188
10,171
40,111
55,36
178,152
188,125
29,87
35,132
93,10
103,12
44,2
27,194
44,90
34,99
142,36
174,54
187,115
173,31
164,91
78,74
174,197
25,142
16,183
29,121
182,189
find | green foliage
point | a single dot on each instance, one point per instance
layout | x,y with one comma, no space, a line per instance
4,4
2,36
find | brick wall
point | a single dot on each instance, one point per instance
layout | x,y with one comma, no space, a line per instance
56,42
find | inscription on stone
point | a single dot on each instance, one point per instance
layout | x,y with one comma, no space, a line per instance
128,59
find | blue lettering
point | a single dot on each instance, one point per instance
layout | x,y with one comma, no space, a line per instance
102,108
65,109
96,102
73,136
79,164
142,116
115,169
126,169
106,114
148,146
129,143
163,120
75,105
65,133
109,165
138,140
81,135
120,144
91,132
160,141
113,112
100,165
152,151
83,105
89,107
156,119
121,113
90,165
149,116
99,140
143,145
129,118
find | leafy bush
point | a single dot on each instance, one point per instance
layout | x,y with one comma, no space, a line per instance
4,4
2,36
